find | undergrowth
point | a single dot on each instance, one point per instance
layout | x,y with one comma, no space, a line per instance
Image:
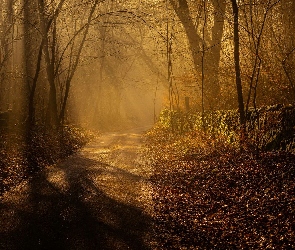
209,194
21,156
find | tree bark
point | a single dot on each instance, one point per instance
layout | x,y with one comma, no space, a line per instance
213,47
52,115
31,66
237,62
195,41
213,55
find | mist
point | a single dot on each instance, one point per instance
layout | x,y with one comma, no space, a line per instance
147,124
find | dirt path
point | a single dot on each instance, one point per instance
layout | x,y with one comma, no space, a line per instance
98,198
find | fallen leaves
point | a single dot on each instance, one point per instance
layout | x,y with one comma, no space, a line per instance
20,157
209,195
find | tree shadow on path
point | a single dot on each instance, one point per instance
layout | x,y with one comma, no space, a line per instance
68,210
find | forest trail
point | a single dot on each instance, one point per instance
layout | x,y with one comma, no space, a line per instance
99,198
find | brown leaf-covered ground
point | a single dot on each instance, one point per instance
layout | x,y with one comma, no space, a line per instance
210,195
178,192
98,198
21,156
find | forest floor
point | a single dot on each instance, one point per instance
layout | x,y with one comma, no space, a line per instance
130,190
209,194
98,198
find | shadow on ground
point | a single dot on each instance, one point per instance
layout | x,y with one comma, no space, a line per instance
70,211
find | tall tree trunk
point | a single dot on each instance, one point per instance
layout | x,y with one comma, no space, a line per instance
203,61
52,115
288,62
6,43
213,47
213,55
32,67
237,62
182,11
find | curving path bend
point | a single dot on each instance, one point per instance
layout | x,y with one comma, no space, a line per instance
99,198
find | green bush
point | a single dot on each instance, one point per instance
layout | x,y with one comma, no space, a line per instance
267,128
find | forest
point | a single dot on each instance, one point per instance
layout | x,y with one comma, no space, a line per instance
212,82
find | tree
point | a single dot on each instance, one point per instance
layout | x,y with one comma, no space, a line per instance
213,46
73,67
6,49
31,59
237,62
52,115
288,10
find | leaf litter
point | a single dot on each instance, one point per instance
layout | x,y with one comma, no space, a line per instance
209,195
